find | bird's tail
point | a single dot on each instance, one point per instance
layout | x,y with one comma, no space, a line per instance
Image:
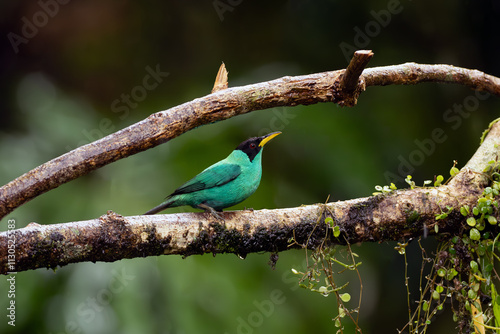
161,207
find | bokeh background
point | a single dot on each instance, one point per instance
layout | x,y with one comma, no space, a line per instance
67,68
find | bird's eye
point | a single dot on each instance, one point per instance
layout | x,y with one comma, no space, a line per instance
252,145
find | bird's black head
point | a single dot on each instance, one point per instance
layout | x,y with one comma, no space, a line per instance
252,146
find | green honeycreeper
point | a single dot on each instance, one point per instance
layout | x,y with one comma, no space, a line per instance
225,183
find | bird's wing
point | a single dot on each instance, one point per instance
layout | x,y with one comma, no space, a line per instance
214,176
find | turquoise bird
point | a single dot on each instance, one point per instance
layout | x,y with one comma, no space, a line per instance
225,183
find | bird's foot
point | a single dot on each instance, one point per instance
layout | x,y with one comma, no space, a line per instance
216,214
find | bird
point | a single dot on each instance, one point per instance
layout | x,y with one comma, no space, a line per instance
223,184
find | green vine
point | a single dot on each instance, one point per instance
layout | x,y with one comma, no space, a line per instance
462,272
459,274
324,265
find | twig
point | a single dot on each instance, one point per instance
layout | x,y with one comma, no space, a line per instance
351,81
353,71
221,79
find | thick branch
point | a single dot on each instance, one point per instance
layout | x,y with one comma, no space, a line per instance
165,125
400,215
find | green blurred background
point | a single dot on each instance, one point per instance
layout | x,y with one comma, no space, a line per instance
66,68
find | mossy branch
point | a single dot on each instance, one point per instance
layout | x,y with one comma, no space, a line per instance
342,87
402,214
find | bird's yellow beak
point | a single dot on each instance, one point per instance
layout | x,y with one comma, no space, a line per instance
268,138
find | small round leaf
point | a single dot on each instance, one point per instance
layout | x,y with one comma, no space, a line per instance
475,234
492,220
345,297
471,221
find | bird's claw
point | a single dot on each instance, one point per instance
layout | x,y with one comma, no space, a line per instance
216,214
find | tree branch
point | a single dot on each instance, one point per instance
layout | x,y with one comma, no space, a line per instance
350,82
165,125
402,214
412,73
